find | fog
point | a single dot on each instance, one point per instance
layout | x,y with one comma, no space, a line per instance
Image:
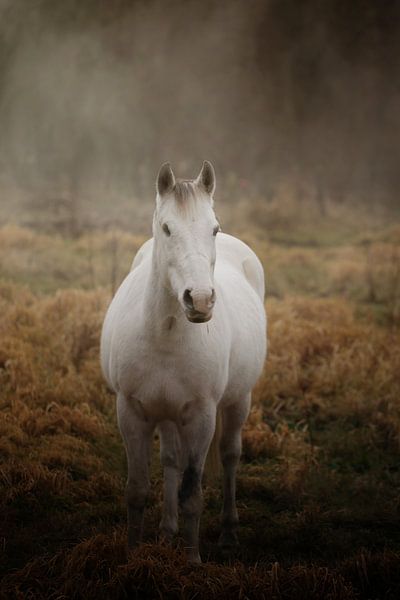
95,95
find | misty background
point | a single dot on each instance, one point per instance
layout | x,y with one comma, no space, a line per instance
278,94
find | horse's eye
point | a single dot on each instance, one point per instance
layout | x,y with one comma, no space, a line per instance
166,229
216,229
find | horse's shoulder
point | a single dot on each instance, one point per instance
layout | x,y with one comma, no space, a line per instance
240,255
143,253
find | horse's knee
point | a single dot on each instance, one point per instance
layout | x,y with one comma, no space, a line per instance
169,459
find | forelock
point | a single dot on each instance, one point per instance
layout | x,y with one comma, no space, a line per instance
185,192
187,198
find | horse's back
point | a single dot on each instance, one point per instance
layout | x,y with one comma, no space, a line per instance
238,255
239,280
142,254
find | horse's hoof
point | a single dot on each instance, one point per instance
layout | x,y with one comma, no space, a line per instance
166,536
193,558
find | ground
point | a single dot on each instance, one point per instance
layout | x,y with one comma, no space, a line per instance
318,487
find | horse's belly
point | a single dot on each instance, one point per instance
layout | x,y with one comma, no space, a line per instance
248,350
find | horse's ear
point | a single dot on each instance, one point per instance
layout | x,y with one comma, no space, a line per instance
165,179
206,178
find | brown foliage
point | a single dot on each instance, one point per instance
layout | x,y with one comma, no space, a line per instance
49,349
98,568
58,423
321,352
323,363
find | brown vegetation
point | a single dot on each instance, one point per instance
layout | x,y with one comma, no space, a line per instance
318,485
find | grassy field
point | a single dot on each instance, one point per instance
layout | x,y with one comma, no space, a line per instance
319,483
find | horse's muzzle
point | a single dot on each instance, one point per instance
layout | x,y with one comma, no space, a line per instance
198,305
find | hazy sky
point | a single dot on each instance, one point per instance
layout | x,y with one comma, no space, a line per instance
96,94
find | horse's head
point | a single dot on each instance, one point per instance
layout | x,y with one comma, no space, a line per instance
184,230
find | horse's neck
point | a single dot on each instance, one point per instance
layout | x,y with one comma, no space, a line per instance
160,306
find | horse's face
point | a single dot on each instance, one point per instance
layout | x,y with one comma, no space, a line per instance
185,229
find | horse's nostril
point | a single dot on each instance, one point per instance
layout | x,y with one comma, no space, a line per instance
187,298
212,296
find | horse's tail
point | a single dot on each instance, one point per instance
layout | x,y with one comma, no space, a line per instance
213,461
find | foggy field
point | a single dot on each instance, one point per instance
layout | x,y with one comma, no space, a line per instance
296,104
319,481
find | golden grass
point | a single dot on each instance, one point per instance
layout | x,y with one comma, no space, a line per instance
323,361
49,348
365,269
319,477
49,262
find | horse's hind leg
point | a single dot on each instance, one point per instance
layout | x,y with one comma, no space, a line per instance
137,433
197,433
233,418
170,454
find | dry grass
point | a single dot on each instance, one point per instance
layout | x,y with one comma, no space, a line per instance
47,262
318,486
99,568
54,415
364,269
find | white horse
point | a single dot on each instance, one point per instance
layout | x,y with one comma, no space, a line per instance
183,338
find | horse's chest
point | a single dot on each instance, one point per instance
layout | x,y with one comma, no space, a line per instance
173,376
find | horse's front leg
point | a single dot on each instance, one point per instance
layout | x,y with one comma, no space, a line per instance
171,459
233,418
197,432
137,433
